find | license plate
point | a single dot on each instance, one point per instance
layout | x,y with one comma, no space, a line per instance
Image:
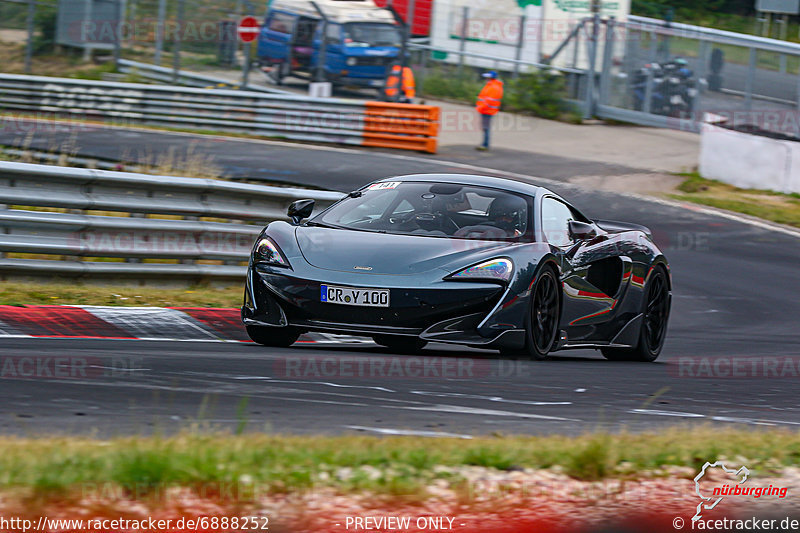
349,296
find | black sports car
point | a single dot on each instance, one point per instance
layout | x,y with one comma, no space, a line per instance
472,260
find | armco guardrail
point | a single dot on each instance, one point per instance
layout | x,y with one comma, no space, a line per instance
713,35
186,78
364,123
79,239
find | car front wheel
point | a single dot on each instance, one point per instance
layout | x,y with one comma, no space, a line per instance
274,337
544,316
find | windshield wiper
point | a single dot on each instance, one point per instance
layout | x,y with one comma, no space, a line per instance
324,225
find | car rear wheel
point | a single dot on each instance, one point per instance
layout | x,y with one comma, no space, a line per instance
400,344
545,313
275,337
654,322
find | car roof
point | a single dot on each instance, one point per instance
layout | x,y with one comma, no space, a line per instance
471,179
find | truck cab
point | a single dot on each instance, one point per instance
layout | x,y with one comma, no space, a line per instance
357,39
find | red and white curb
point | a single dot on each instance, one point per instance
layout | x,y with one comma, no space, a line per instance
143,323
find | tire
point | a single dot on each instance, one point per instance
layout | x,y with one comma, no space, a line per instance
400,344
544,315
274,337
655,308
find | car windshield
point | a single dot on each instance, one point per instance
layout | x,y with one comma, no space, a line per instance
371,34
432,209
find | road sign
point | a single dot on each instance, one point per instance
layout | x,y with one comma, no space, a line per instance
248,29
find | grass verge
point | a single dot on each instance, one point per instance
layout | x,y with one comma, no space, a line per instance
397,466
66,293
772,206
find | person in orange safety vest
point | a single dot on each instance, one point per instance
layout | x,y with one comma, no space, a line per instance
488,104
400,85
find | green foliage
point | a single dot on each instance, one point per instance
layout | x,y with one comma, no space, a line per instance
541,94
45,23
400,466
690,8
443,84
592,461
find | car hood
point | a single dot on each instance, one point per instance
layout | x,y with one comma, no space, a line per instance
381,253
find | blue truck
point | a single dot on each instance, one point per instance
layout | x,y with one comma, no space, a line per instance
346,42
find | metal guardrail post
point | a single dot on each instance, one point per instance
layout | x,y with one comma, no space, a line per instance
591,94
648,92
160,29
523,22
248,47
29,44
608,51
410,14
463,42
119,15
322,55
176,52
797,105
751,74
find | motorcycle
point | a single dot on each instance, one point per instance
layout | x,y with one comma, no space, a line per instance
674,88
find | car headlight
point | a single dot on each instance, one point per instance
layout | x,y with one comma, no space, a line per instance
268,252
351,61
495,269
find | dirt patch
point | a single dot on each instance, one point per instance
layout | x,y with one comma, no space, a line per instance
648,183
13,36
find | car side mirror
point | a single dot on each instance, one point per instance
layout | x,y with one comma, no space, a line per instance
300,209
581,231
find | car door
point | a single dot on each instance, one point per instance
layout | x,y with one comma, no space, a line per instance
276,36
593,272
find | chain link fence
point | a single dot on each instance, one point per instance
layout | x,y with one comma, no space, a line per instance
681,72
624,70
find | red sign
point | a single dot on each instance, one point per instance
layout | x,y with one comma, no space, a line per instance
248,29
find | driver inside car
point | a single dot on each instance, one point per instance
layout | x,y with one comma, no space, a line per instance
505,218
504,213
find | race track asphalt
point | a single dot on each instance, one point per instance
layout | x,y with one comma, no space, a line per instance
731,355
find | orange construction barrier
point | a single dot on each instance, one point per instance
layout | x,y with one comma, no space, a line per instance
403,126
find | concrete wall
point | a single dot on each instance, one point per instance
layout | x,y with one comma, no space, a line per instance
749,161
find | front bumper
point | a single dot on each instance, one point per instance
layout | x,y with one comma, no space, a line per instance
352,81
451,312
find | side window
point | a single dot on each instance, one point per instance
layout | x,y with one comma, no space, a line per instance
281,22
333,34
555,222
